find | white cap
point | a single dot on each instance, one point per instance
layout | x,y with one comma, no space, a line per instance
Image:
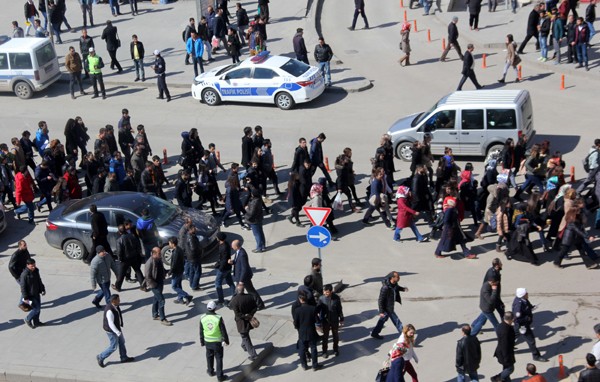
521,292
156,52
211,304
91,49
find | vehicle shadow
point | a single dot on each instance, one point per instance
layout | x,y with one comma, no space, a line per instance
328,98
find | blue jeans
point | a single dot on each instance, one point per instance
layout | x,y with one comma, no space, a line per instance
28,207
104,291
472,376
219,280
481,320
36,308
186,270
592,29
535,180
582,55
158,305
259,236
112,346
325,70
395,320
413,227
139,68
176,285
506,372
544,45
114,7
195,270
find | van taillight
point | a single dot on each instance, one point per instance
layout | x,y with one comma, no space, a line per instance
51,226
37,75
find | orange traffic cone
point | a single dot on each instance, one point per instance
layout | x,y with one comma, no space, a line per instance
561,368
165,160
327,164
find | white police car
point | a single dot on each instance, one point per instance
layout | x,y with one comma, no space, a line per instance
262,79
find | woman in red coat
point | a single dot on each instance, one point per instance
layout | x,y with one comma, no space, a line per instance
24,193
73,184
405,215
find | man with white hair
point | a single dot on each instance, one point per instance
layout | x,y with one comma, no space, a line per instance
523,311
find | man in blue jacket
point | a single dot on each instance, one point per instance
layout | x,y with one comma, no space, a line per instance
195,49
242,272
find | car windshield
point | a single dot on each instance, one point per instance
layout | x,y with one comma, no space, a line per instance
295,67
229,67
161,210
420,117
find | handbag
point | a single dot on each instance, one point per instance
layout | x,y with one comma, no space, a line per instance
215,42
118,41
516,60
25,307
384,371
181,161
254,322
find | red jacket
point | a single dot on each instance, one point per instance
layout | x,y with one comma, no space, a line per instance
23,188
73,186
405,214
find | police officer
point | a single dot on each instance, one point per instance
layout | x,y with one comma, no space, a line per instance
523,311
213,335
95,65
160,70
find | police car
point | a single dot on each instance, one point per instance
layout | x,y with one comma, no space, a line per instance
263,78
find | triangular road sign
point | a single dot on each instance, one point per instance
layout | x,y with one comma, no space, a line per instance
317,215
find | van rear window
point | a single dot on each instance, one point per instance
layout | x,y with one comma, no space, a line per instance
44,54
19,61
501,119
3,61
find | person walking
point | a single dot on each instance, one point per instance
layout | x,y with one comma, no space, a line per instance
223,269
160,69
300,47
31,289
512,60
452,40
389,294
523,311
532,29
213,334
263,10
193,254
254,217
405,44
195,49
155,281
242,21
74,65
323,55
242,272
18,260
406,216
488,301
505,350
85,43
30,14
359,9
99,227
494,273
244,307
136,49
95,65
100,268
234,46
317,158
468,70
112,44
407,337
24,193
129,253
468,356
305,320
112,323
86,9
452,234
177,272
474,11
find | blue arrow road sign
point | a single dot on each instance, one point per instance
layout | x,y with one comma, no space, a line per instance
318,236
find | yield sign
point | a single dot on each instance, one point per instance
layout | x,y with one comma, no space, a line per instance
317,215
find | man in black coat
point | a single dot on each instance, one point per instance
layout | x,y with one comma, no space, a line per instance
183,190
18,260
505,350
389,294
177,270
247,147
488,301
452,40
532,31
331,318
263,7
99,233
129,254
305,319
244,307
187,33
242,272
193,254
300,155
468,70
300,46
494,272
468,355
112,44
359,8
31,289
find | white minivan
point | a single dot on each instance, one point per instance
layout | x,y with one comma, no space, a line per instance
473,123
27,65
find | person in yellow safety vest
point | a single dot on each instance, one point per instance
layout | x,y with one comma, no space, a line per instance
213,335
95,65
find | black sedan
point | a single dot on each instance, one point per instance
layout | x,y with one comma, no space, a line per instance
68,226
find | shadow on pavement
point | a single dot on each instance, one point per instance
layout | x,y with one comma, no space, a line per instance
162,351
436,330
63,300
75,316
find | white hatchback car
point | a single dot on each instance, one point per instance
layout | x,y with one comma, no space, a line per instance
260,79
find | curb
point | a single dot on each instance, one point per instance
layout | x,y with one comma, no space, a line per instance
64,78
247,370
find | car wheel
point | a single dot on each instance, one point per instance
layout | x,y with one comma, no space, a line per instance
211,97
23,90
404,151
494,152
284,101
74,249
166,254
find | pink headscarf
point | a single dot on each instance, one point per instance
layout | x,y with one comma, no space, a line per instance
316,189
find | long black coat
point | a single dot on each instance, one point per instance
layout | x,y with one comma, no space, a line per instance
99,225
305,318
244,307
505,350
110,35
468,355
451,233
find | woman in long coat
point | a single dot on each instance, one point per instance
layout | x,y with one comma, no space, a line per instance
451,232
405,44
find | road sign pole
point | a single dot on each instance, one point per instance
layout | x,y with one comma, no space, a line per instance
319,250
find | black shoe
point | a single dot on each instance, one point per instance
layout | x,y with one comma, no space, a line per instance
97,304
252,357
222,378
72,96
539,358
160,97
368,224
95,96
40,323
377,336
188,300
29,323
336,353
178,301
103,97
325,355
501,81
82,93
318,366
127,360
350,28
136,80
305,367
168,99
100,361
211,373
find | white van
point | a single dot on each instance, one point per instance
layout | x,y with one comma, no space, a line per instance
474,123
27,65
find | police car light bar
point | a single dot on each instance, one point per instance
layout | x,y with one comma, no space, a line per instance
262,56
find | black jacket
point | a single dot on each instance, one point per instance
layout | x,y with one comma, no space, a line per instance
18,262
468,355
532,22
110,35
254,211
492,272
244,307
359,4
99,225
590,13
224,256
452,33
523,311
129,247
118,318
300,155
323,53
505,350
247,150
85,44
388,295
177,261
299,46
468,61
183,193
589,375
31,284
330,310
242,17
160,67
193,250
140,48
220,27
488,298
574,234
305,319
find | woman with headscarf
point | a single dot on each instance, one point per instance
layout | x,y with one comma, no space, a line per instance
405,43
405,215
451,232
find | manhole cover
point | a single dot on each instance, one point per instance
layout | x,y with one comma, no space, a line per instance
351,51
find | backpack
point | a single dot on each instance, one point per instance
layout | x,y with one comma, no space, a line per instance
183,34
586,161
244,19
